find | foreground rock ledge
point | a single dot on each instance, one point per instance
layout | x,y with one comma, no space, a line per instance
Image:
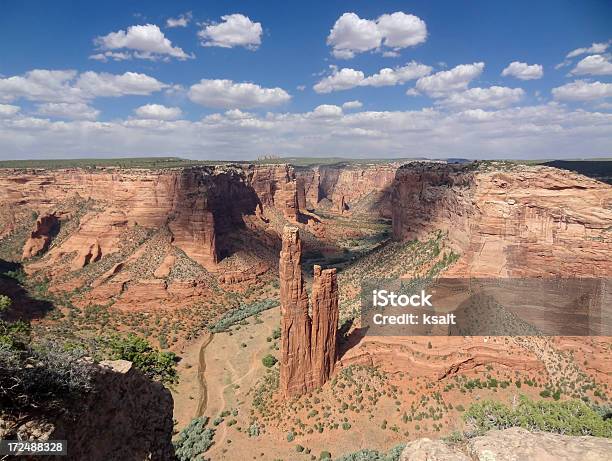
515,444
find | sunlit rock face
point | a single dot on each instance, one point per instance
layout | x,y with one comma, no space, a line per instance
308,345
520,222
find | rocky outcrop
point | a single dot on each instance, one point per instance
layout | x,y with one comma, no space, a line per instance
125,417
511,445
517,221
45,228
355,187
308,345
324,324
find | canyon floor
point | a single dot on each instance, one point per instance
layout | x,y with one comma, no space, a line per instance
199,277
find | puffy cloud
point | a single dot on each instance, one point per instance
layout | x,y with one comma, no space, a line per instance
399,75
8,110
401,30
69,87
340,80
523,71
327,111
95,84
144,42
352,105
75,111
347,78
449,81
40,85
493,97
158,112
581,90
352,34
182,21
595,48
234,30
549,130
230,95
593,65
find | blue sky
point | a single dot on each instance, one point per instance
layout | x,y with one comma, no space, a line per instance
235,80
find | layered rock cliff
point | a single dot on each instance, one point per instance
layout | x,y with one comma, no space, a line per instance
104,215
348,188
308,344
508,221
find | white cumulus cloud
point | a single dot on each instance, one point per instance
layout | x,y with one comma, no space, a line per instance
347,78
73,111
523,71
581,90
158,112
352,105
181,21
448,81
103,84
351,34
398,75
342,79
234,30
496,97
593,65
327,111
141,41
230,95
595,48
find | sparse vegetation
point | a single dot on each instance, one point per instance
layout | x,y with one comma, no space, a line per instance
194,440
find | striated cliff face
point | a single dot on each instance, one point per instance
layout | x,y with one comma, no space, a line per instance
308,345
361,188
119,217
126,417
526,221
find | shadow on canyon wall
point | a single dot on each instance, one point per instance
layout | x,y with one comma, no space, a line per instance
24,306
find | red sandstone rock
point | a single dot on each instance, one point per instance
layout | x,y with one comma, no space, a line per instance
308,346
324,324
295,363
525,222
165,267
41,235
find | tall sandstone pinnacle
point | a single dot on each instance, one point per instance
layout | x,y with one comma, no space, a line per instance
308,345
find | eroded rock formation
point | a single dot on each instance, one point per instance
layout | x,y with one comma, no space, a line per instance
516,221
359,187
44,229
308,345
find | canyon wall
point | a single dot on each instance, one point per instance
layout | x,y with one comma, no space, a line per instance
119,217
513,221
308,344
348,187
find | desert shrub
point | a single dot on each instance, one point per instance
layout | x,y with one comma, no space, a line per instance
269,361
194,440
572,417
374,455
241,313
46,378
325,455
154,364
5,302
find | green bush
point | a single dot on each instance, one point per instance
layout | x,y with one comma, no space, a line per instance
572,417
269,361
5,302
194,440
156,365
374,455
325,455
